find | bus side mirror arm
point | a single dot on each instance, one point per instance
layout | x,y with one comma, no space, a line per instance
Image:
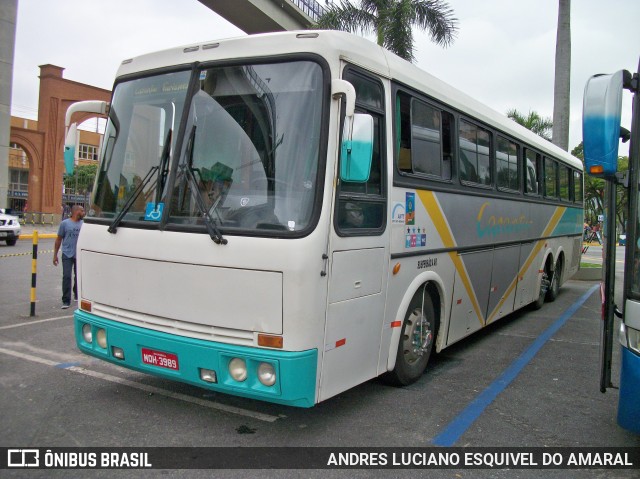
343,87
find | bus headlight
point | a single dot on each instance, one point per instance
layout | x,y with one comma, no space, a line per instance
267,374
633,338
86,333
101,338
238,369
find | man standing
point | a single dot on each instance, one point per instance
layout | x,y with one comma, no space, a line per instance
68,232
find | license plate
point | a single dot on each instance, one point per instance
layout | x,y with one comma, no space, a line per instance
160,359
3,234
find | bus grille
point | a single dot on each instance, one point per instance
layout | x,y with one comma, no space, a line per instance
172,326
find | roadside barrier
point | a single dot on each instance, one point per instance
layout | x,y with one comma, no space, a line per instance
35,218
13,255
34,273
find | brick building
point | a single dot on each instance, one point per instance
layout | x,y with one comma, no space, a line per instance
35,163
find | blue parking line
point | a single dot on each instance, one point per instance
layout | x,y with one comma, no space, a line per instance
66,365
467,417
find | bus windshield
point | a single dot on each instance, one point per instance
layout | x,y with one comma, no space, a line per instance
137,145
248,159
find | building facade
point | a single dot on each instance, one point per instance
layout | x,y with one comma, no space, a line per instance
36,147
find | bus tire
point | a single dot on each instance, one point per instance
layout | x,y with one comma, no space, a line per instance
554,287
416,341
542,293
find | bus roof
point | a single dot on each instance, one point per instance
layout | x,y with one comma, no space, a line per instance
335,46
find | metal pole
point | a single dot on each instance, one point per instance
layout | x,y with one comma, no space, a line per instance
609,283
34,270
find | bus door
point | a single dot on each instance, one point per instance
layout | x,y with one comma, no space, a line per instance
601,126
358,257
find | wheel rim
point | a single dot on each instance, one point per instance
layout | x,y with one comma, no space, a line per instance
418,337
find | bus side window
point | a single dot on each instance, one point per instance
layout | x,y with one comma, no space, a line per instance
507,165
361,206
532,172
403,132
550,178
564,176
475,145
578,194
423,138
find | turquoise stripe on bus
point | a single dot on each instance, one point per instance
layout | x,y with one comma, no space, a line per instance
571,222
295,371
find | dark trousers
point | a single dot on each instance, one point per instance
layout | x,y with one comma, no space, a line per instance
69,264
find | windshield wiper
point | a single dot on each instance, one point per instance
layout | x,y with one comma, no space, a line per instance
164,161
209,222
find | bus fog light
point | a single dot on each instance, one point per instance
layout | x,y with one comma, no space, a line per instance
208,375
267,374
101,338
86,333
238,369
117,352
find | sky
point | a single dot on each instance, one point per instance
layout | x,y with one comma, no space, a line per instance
503,55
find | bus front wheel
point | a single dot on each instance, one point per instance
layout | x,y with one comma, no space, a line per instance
416,341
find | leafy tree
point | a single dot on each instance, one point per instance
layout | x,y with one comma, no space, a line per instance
594,193
82,178
392,22
534,122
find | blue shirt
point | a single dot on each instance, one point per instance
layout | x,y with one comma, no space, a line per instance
69,230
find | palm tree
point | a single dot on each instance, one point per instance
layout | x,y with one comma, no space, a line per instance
392,22
561,88
534,122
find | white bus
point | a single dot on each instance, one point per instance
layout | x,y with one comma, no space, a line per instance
285,216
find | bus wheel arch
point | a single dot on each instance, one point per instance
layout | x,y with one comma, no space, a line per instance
418,334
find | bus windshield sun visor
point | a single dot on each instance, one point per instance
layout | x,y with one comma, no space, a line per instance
160,180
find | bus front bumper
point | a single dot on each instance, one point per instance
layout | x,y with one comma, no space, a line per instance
202,363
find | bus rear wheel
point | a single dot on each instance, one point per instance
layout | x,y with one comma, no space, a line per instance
416,341
542,294
554,287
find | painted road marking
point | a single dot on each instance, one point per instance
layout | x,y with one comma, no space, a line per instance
461,423
29,323
73,367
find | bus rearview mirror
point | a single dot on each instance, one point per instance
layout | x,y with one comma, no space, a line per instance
602,110
356,151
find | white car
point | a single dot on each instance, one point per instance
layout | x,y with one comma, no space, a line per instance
9,228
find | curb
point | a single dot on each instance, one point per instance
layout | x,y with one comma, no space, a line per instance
588,274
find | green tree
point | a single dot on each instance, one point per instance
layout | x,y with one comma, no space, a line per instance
392,22
81,180
594,193
534,122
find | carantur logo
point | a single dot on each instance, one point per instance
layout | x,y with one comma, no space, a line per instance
493,225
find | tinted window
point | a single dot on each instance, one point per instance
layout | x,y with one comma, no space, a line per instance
475,144
550,178
507,164
423,138
564,176
577,187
